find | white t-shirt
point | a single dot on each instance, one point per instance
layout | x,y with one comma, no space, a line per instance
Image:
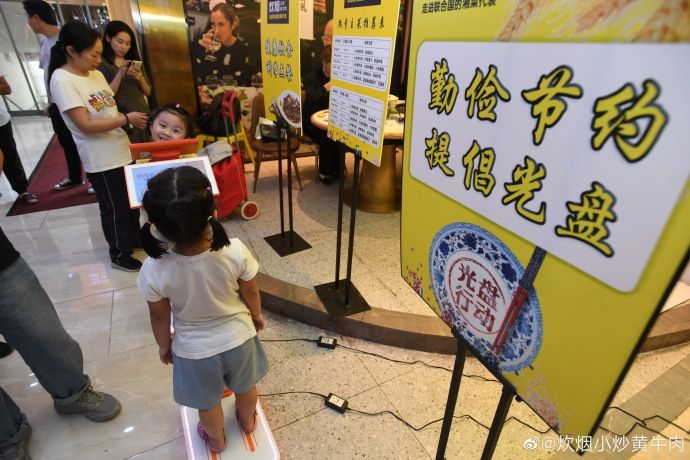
98,152
209,315
44,57
4,114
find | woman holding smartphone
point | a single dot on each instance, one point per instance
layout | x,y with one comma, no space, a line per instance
122,68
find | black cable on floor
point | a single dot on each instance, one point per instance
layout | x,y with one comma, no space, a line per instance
638,421
399,361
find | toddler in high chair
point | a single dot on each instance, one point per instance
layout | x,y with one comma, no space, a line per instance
207,282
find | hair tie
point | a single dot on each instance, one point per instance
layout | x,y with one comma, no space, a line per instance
178,105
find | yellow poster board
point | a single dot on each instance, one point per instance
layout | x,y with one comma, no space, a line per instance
363,44
546,167
281,61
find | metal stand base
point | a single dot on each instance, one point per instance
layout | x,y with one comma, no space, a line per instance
287,243
333,299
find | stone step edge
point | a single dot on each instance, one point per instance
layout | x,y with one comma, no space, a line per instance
420,332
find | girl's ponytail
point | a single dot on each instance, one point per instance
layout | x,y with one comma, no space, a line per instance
220,236
153,247
58,58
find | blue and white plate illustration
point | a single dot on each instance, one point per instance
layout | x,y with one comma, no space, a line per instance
474,277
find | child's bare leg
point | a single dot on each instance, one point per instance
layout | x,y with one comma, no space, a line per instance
212,421
246,407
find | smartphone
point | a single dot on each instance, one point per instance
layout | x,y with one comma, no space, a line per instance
135,65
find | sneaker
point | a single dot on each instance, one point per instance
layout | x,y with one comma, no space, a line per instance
5,349
17,451
28,198
128,264
325,179
91,191
94,405
67,183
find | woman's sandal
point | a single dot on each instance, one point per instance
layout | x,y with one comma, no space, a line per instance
203,435
253,428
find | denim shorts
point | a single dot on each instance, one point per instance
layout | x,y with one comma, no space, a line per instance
199,383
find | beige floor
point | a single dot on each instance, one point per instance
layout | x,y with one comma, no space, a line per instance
101,308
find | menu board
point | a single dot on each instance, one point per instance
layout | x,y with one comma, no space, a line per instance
362,61
280,34
546,207
363,44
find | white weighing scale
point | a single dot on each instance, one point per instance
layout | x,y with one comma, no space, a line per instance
257,445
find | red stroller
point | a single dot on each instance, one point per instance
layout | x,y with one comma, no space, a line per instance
230,172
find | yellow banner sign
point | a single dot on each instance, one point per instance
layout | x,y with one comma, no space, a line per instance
363,43
546,205
281,62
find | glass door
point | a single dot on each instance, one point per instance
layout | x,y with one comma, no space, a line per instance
19,50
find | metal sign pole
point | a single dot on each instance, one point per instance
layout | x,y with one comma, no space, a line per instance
353,216
343,299
499,420
293,243
341,197
452,399
289,181
280,180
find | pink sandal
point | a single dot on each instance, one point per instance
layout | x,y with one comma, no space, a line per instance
203,435
237,414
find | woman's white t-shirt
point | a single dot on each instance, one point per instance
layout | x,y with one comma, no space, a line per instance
98,152
209,316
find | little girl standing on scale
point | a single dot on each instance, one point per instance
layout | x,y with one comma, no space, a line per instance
207,281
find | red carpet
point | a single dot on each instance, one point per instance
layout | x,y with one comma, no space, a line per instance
50,170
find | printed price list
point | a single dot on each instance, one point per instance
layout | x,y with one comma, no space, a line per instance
356,114
362,60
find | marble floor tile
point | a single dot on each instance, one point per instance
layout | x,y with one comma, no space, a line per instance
149,417
80,275
383,368
130,324
13,370
88,321
171,450
331,435
302,366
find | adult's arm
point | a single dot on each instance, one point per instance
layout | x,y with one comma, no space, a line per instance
87,125
114,79
140,77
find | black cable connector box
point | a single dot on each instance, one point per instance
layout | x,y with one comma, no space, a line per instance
336,402
327,342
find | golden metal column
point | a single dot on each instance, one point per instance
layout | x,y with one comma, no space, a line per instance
166,50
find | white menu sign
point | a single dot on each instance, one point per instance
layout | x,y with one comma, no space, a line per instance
356,114
362,60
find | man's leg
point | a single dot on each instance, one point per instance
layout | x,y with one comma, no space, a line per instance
14,428
66,140
12,168
30,324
